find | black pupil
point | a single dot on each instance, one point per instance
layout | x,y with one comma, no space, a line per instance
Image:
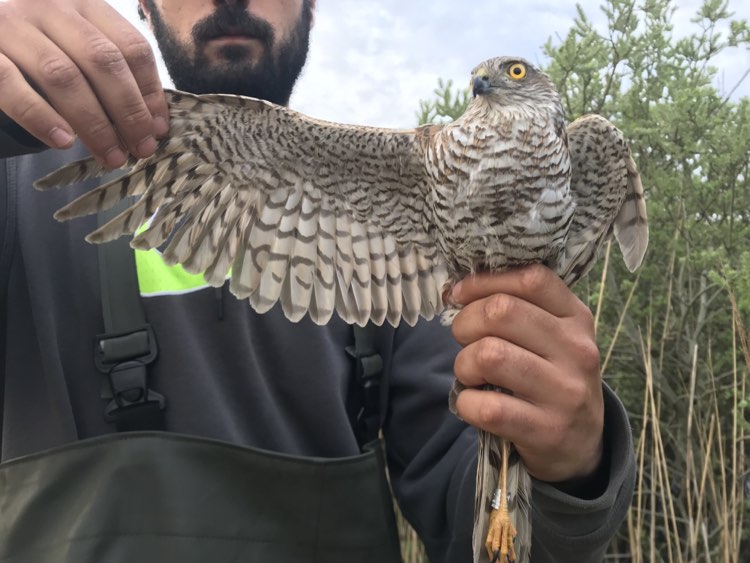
517,70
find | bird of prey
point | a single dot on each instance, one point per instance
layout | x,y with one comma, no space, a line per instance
375,224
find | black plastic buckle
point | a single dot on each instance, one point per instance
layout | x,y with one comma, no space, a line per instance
368,370
113,348
124,358
128,386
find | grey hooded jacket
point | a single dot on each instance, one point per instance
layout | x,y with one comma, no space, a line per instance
254,380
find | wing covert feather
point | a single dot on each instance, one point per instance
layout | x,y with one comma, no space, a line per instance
608,195
317,215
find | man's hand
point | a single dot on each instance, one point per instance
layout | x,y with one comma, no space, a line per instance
77,67
524,331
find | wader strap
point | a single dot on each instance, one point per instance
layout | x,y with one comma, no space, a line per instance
128,344
7,243
7,224
369,373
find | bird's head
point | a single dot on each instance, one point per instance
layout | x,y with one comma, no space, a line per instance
512,81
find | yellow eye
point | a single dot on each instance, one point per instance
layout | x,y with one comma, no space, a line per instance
517,71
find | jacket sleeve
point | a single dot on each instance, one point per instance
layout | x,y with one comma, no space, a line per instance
15,140
432,464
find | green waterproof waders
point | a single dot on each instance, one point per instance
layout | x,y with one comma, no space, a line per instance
148,497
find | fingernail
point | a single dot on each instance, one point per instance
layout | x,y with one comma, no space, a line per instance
60,138
115,157
160,126
146,147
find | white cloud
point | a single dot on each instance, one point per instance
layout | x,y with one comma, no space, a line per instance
372,61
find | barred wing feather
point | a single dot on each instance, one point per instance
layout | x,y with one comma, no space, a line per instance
317,215
608,196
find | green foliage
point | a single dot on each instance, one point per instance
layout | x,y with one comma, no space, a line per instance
682,331
691,143
447,105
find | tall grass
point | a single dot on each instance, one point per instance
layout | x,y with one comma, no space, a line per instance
690,502
690,441
412,549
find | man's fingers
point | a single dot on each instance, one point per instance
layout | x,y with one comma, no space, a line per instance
543,438
501,363
512,319
94,74
498,413
140,60
105,68
22,104
527,326
66,89
536,284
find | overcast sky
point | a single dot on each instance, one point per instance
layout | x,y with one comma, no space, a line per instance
371,61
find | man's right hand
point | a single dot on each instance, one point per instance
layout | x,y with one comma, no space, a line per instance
77,67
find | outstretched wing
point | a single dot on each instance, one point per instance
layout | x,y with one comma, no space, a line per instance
318,215
609,198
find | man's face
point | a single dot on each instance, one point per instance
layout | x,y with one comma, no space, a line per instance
252,48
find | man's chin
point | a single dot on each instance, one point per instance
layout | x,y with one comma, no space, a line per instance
229,77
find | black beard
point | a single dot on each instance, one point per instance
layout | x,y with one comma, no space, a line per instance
271,78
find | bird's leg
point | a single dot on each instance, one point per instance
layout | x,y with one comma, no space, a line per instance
501,531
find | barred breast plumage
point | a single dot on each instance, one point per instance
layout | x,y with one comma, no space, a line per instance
507,200
374,223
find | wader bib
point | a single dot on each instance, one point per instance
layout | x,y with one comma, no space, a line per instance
143,496
158,497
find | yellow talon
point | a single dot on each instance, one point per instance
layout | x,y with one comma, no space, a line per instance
500,536
501,532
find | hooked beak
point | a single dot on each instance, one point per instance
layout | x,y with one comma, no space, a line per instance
480,84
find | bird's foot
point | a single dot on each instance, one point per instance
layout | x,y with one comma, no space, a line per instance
448,314
451,307
500,536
